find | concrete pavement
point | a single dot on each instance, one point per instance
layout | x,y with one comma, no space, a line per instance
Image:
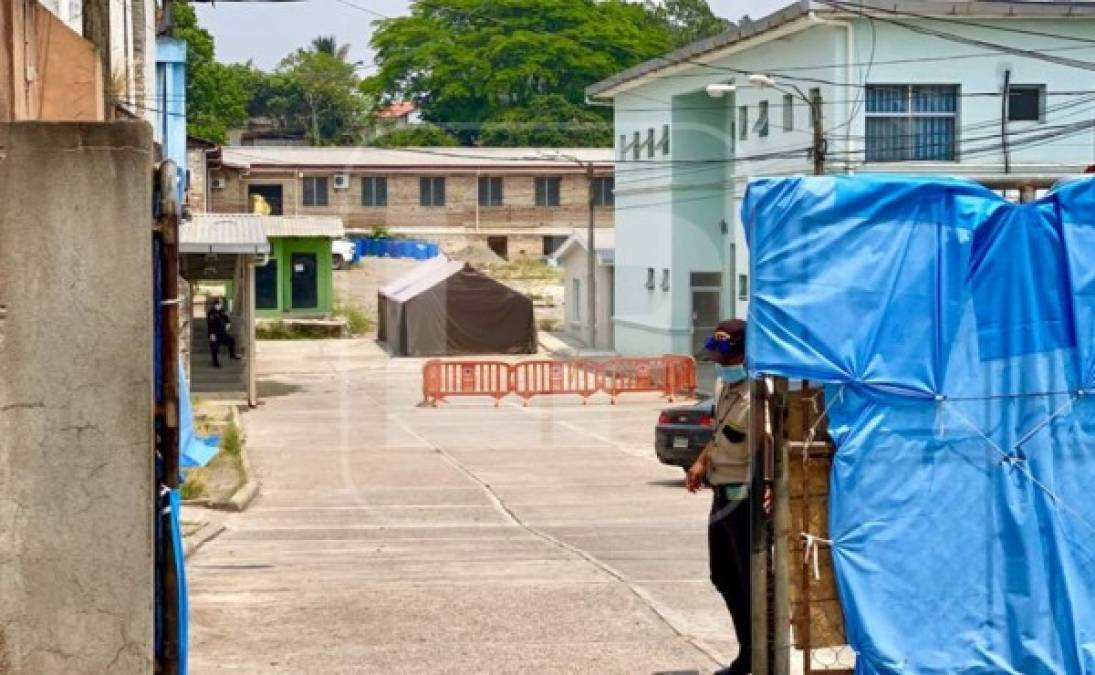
393,538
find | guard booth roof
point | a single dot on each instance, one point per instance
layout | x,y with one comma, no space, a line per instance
955,332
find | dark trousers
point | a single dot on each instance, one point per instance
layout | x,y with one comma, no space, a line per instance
215,347
728,545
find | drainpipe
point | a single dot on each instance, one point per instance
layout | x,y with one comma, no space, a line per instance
849,77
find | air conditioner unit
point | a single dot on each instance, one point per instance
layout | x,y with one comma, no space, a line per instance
342,181
217,182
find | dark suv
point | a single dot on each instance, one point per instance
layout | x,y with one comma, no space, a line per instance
683,431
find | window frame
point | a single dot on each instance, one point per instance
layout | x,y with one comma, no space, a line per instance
743,122
1039,90
788,112
542,194
909,114
305,181
762,119
601,195
428,192
374,182
495,193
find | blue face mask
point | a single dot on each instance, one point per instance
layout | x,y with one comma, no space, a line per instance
732,374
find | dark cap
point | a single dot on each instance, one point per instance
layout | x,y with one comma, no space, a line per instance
732,330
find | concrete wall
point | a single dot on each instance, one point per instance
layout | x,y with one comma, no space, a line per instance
76,405
669,215
460,221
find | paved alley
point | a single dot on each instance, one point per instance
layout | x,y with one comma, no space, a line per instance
392,538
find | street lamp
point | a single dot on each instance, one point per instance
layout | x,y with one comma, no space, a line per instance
591,252
762,81
719,90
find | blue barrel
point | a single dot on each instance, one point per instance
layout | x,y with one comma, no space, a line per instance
372,247
388,248
421,250
406,249
360,247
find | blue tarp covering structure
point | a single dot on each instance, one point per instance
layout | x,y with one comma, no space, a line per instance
955,332
194,450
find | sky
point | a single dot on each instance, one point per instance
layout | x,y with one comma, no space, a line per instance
264,32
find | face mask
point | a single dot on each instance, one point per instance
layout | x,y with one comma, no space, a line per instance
732,374
720,346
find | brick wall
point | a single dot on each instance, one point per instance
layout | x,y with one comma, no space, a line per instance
517,218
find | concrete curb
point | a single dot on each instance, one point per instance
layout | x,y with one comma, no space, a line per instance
246,493
205,534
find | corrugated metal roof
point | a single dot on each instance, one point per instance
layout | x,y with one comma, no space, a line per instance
555,159
222,233
702,51
604,240
303,226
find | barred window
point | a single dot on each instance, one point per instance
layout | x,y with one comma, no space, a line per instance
374,191
604,191
315,190
911,122
547,191
431,191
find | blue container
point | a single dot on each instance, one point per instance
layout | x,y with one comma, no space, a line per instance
388,248
360,246
406,249
372,247
421,250
432,249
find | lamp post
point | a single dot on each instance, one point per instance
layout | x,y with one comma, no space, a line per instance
814,102
591,253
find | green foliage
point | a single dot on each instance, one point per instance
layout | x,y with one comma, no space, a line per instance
232,440
548,121
380,232
357,321
420,135
193,488
687,20
216,94
469,61
316,89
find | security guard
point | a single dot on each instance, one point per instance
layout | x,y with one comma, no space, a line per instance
218,325
724,466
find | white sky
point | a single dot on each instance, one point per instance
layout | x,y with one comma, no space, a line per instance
264,32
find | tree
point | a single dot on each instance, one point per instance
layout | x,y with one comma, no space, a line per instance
687,20
419,135
216,94
467,62
548,121
316,89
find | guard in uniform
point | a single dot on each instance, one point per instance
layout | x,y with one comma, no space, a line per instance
218,325
724,466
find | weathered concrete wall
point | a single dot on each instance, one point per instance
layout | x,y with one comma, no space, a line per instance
76,463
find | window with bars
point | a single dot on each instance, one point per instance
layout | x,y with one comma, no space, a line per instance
490,191
374,191
547,191
604,191
912,122
315,190
431,191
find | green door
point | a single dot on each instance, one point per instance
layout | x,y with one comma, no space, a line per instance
305,281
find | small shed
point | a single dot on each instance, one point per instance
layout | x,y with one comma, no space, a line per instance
573,258
297,281
448,308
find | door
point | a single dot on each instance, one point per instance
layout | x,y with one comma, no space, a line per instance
705,317
272,195
304,281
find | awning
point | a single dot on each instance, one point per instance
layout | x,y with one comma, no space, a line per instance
223,233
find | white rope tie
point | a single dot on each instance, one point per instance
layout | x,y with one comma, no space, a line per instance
810,550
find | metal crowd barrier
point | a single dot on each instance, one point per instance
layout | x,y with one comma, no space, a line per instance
669,375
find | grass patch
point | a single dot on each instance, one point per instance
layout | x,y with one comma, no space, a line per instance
223,475
284,330
530,268
547,324
357,321
194,487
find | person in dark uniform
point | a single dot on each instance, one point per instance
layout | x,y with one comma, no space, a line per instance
219,325
724,466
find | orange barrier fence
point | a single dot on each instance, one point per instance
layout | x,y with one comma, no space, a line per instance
670,375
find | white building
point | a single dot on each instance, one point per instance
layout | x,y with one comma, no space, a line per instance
573,258
904,86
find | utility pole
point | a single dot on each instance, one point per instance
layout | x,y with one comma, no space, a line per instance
96,19
591,264
818,151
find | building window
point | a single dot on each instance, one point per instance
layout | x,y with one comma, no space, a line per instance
665,139
431,191
636,145
650,142
743,122
911,122
761,126
604,191
374,191
315,190
788,112
490,191
623,147
547,191
1026,103
743,287
576,300
553,242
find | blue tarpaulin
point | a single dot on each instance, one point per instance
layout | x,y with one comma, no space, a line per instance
194,450
955,332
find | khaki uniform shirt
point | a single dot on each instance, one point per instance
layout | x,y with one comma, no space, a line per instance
728,458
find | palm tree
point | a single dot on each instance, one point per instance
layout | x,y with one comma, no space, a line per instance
327,44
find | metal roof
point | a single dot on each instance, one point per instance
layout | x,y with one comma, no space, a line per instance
604,240
304,157
705,50
222,233
302,226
